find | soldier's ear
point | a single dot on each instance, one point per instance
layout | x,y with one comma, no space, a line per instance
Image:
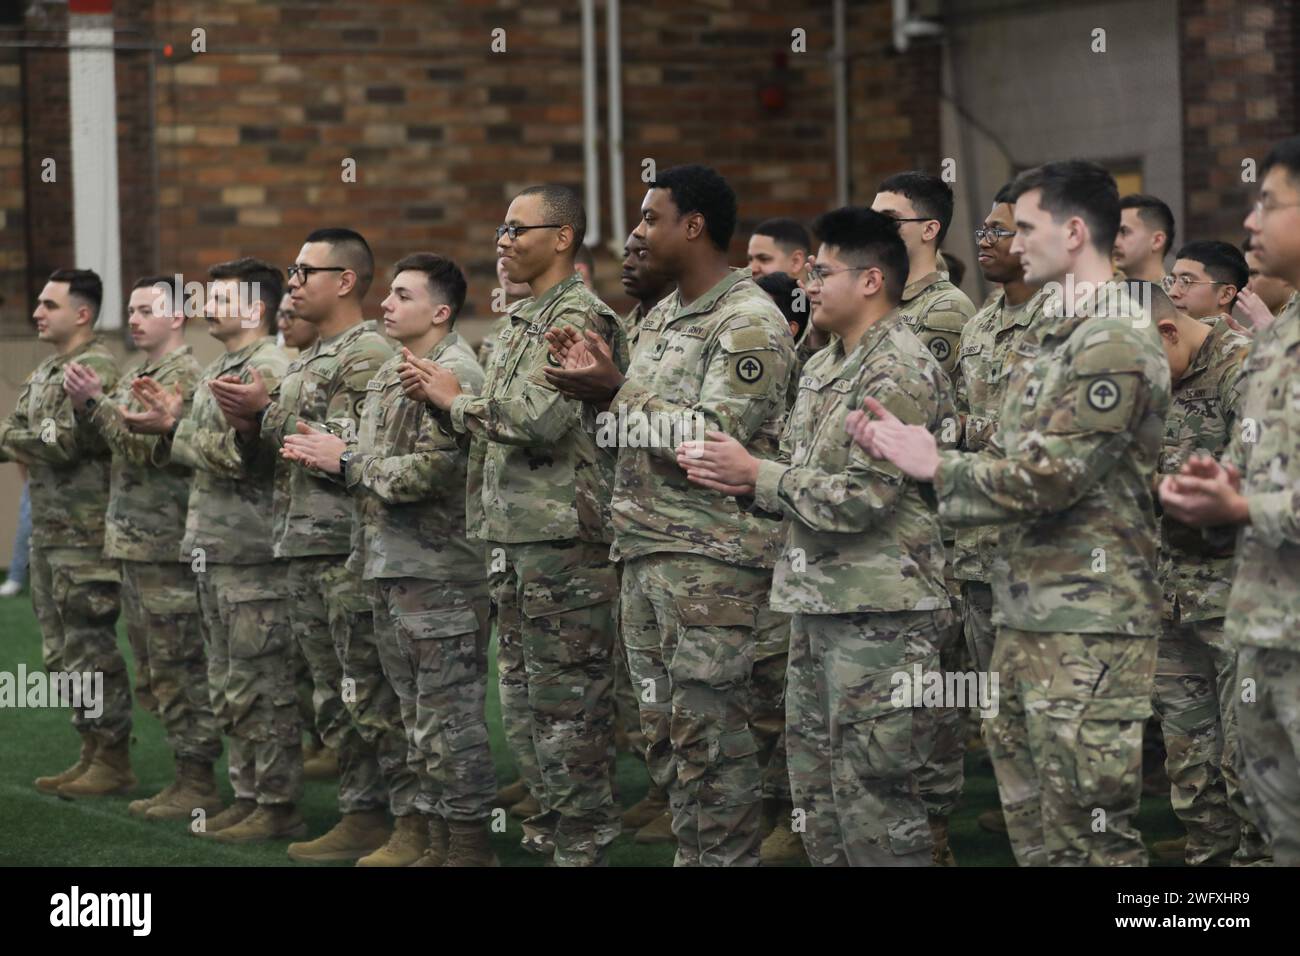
1168,330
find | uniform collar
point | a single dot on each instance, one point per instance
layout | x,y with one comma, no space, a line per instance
913,289
1018,315
529,309
93,342
238,356
871,339
151,368
450,339
709,300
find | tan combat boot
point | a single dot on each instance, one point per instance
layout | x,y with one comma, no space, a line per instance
658,830
354,836
1171,851
406,846
993,821
52,783
109,773
436,852
273,822
196,789
782,846
138,808
469,845
940,851
512,793
653,804
237,812
322,765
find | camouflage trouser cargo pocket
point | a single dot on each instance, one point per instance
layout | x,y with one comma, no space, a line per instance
1094,747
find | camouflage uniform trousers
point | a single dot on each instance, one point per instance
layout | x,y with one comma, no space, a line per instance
855,754
1269,729
943,776
137,636
977,623
626,710
247,640
358,714
433,640
767,684
1196,701
162,609
690,624
1066,744
555,637
76,596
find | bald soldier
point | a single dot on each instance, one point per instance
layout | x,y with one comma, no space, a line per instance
1069,476
75,589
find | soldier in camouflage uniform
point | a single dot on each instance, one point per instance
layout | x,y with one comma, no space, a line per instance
538,499
936,310
75,590
1196,686
862,570
357,710
144,525
988,351
406,469
715,354
242,592
649,817
1069,473
1259,493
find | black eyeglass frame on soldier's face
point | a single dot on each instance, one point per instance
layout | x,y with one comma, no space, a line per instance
992,234
303,273
514,231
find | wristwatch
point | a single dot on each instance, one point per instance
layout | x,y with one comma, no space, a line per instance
90,404
343,462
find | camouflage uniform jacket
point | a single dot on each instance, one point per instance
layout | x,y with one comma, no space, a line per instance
1264,607
228,516
324,387
67,459
986,355
1197,574
535,472
860,537
408,476
146,504
724,360
936,310
1070,473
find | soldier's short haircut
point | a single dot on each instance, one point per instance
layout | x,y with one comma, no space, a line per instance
1162,307
1155,213
1077,187
84,285
1006,194
446,280
789,234
350,249
1223,261
863,237
930,196
1285,154
696,188
783,288
160,282
260,275
561,205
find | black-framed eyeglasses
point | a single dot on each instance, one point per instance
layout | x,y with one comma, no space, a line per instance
514,231
303,273
992,234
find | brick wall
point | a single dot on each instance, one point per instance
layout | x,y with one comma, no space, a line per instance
1239,80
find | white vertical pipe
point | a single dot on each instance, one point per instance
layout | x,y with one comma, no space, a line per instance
840,75
591,157
92,100
614,90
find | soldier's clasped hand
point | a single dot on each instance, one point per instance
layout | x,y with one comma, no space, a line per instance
82,384
882,436
315,449
720,463
162,407
587,370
